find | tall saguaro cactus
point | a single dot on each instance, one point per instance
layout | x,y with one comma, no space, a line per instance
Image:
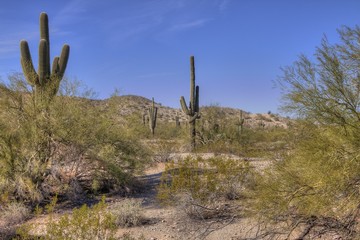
240,123
193,110
152,117
46,80
45,83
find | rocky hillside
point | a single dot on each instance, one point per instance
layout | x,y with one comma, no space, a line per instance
130,104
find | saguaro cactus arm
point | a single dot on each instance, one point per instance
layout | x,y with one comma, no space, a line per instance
184,106
63,60
193,118
27,65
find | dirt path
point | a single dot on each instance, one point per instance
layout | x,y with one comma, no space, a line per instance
160,222
163,223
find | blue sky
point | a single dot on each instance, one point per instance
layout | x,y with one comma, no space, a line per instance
142,47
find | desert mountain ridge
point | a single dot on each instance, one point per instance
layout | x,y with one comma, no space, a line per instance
132,104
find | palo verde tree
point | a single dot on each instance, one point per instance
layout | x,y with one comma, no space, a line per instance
314,189
192,111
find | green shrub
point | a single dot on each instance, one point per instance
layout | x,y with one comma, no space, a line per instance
201,183
164,130
315,183
84,223
87,150
314,189
251,143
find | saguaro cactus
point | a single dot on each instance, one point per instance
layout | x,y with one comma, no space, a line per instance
46,81
177,120
145,118
152,117
193,110
240,123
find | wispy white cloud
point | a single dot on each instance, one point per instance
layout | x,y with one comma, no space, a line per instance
223,5
9,43
8,48
141,17
71,11
188,25
117,21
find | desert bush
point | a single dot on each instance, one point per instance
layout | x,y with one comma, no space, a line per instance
162,149
200,183
128,236
135,127
86,149
220,134
314,189
84,223
169,131
127,213
14,212
165,130
252,142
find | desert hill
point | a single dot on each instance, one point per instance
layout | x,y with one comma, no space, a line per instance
137,105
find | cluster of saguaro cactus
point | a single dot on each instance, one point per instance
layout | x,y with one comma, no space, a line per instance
46,81
152,117
240,122
193,110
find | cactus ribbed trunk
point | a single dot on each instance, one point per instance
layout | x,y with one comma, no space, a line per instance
152,117
240,123
177,120
193,135
193,110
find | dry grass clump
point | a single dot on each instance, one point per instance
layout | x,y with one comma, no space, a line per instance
14,212
127,213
